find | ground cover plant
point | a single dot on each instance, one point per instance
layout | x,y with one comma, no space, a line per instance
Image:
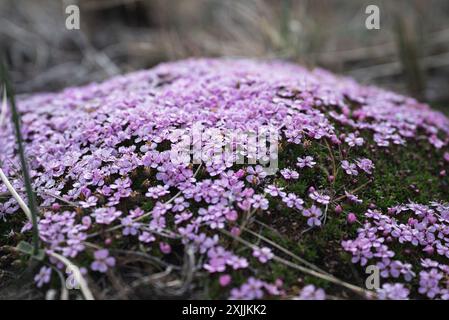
362,181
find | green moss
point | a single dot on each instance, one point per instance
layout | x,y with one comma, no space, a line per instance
402,174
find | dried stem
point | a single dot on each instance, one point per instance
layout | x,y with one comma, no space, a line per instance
21,151
16,196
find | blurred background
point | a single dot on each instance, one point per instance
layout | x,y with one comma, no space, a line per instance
409,54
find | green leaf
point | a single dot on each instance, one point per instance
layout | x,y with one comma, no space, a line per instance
25,247
28,249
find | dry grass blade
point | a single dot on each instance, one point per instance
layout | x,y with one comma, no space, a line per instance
16,196
76,273
311,272
287,252
3,108
64,290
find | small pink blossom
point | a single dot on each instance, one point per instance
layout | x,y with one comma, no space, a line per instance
102,261
225,280
263,254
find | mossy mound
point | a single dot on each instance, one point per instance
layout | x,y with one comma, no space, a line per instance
361,181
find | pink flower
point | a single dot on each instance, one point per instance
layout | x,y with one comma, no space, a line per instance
320,198
102,261
353,198
352,140
225,280
235,231
263,254
289,174
308,161
255,174
313,214
106,215
43,277
310,292
446,156
259,201
232,215
291,200
351,218
274,191
338,209
365,165
165,248
146,237
349,168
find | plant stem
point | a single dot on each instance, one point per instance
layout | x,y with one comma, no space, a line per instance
76,274
15,195
26,176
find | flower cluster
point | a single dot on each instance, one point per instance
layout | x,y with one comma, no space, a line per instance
256,289
101,163
425,228
310,292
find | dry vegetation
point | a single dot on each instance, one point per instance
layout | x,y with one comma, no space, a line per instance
410,53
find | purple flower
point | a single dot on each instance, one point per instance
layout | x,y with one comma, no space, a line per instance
291,200
180,205
313,214
102,261
157,192
43,276
130,228
443,250
122,187
352,197
251,290
428,263
255,174
225,280
274,191
289,174
254,289
429,283
217,260
258,201
136,213
395,291
310,292
237,262
446,156
106,215
146,237
308,161
320,198
349,168
263,254
351,218
165,248
352,140
365,165
71,280
183,216
90,202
